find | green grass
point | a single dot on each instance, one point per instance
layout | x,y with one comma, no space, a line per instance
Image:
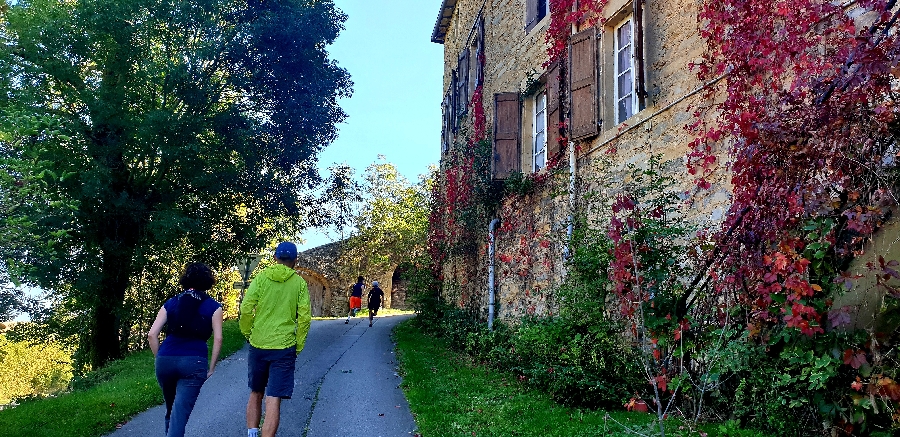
101,399
451,396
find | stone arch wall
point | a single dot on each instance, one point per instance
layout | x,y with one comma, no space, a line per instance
398,290
319,291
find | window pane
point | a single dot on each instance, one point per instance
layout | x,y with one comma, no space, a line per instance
623,59
624,108
539,161
625,84
623,34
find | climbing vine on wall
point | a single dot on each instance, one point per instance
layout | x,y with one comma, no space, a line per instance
563,15
806,124
465,190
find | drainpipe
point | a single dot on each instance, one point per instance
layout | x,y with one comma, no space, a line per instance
572,168
491,299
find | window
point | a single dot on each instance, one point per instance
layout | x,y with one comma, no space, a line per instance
535,11
539,134
625,96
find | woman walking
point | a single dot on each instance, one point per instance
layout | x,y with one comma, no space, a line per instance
181,363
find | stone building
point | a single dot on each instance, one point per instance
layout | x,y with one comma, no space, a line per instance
621,94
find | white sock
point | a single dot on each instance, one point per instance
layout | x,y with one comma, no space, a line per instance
253,432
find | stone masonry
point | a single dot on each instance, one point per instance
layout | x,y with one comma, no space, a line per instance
530,246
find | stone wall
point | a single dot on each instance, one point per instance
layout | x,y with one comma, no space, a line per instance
329,285
532,235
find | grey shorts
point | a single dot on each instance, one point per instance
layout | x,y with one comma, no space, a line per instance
272,370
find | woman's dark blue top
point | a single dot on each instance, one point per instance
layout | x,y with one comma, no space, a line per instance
188,324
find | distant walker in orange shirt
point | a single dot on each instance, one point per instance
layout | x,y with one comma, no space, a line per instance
356,297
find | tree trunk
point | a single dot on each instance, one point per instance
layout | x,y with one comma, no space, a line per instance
105,336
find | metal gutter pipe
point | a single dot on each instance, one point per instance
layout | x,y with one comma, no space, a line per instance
491,293
569,229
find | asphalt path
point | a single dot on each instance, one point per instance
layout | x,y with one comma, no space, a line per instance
346,384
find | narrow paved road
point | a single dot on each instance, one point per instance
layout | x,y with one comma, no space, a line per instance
346,384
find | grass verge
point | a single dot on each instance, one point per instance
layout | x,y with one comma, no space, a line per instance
450,396
102,399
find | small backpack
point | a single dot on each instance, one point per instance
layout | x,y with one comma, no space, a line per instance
185,320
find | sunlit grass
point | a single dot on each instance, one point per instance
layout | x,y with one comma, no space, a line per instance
102,399
364,313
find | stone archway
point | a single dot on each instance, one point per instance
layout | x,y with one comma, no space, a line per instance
398,289
319,291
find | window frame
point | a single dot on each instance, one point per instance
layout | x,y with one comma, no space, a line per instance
536,129
617,97
539,13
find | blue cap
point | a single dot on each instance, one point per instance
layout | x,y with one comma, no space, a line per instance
286,251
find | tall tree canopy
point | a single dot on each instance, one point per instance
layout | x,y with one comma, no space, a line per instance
133,129
392,227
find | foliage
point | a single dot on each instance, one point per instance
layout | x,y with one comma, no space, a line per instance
342,197
563,15
102,399
452,395
464,197
578,362
805,119
391,229
32,369
145,133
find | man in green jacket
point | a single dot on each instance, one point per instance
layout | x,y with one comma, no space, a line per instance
275,318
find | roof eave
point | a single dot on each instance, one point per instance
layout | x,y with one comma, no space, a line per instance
443,21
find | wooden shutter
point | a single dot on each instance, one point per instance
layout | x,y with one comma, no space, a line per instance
640,89
507,126
479,53
553,111
454,101
531,14
463,82
583,84
445,128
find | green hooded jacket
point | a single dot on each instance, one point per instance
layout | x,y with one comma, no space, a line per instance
275,312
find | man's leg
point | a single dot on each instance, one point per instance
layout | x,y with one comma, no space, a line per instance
273,414
257,377
254,409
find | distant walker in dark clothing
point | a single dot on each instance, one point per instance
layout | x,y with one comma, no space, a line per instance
376,296
181,364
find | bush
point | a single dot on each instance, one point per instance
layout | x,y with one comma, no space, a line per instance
32,370
578,363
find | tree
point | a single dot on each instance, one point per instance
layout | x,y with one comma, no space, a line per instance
342,197
135,129
392,227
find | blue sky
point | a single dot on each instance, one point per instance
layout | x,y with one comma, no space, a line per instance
397,73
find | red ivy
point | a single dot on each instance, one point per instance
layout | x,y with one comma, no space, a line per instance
805,122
